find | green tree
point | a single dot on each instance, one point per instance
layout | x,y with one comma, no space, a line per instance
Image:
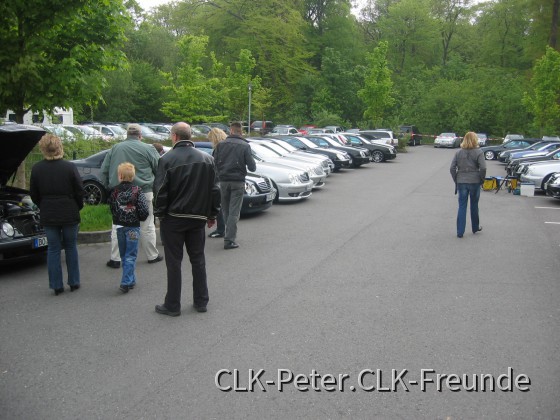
377,93
543,102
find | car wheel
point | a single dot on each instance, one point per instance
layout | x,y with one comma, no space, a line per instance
94,193
277,196
489,155
377,156
544,181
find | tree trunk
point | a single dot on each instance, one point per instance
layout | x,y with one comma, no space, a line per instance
553,40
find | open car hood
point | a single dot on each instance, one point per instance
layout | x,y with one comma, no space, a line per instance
16,141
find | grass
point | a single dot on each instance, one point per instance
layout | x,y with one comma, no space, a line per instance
95,218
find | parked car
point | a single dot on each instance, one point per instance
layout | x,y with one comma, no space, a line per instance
286,150
21,233
60,131
86,132
291,184
510,137
314,171
339,158
540,148
451,140
284,130
482,139
162,129
538,173
358,155
378,152
151,136
262,127
491,152
380,136
221,126
515,166
200,130
552,186
335,128
316,130
114,132
550,138
413,132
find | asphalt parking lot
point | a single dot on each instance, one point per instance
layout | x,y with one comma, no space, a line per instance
365,277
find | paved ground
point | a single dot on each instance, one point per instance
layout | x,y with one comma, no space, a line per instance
367,274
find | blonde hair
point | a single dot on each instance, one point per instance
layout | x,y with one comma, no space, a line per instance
51,147
470,141
126,172
216,135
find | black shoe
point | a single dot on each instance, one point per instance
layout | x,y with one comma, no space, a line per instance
58,291
478,230
114,264
124,289
200,308
216,234
74,287
130,287
156,259
161,309
459,236
231,245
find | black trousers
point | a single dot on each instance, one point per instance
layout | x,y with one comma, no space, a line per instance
177,232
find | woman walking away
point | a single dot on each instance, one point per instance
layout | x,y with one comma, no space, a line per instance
56,188
468,170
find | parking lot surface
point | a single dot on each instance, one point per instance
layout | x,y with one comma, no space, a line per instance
362,281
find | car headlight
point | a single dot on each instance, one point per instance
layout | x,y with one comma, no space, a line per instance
340,156
250,188
347,155
293,177
8,230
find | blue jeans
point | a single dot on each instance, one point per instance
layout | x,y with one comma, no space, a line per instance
465,191
232,200
128,239
59,236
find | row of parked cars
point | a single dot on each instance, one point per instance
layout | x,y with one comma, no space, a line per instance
536,162
289,168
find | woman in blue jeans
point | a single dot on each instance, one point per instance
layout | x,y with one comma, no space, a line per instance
468,170
56,188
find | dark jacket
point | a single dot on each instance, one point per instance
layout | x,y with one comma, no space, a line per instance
186,184
128,204
56,188
233,157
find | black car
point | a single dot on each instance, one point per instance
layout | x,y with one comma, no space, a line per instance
413,132
21,233
513,165
339,159
491,152
378,152
553,185
259,193
358,154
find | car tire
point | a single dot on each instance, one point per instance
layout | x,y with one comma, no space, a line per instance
489,155
544,181
94,193
377,156
277,196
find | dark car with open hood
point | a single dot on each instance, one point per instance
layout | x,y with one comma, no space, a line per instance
21,233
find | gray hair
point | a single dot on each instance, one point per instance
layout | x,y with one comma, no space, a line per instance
182,130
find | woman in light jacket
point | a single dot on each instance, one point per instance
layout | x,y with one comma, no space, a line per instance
468,170
56,188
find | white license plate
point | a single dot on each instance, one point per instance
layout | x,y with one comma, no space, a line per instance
40,242
270,196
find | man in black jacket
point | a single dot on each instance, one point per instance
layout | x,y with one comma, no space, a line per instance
233,157
186,198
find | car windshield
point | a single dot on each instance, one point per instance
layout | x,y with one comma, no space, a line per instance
308,143
381,134
117,130
319,141
263,152
286,145
332,142
276,148
147,131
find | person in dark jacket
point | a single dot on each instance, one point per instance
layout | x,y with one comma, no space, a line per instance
233,157
215,136
129,207
186,198
56,188
468,170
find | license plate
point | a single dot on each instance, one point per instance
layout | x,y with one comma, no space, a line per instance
40,242
270,196
309,188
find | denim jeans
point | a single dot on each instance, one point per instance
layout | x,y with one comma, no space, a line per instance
465,191
128,238
59,236
232,200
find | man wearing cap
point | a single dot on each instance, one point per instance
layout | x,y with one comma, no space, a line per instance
145,159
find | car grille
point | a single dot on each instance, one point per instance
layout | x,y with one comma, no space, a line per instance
304,177
264,185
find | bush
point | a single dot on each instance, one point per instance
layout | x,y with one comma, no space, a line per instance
95,218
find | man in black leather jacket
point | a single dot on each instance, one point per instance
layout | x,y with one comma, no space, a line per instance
186,198
233,158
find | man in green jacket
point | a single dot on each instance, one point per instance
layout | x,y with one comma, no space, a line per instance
145,159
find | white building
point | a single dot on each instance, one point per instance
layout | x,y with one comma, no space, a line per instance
59,116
